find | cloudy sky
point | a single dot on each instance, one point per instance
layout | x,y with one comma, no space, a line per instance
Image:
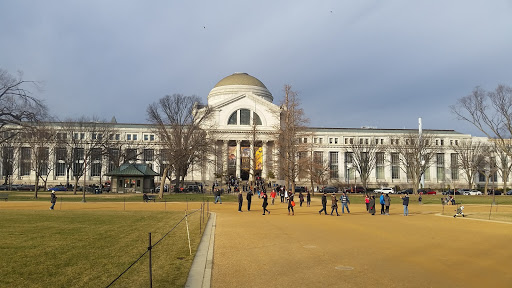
354,63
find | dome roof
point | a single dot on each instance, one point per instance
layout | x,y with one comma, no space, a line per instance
240,79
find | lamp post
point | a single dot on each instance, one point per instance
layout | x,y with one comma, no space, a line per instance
422,171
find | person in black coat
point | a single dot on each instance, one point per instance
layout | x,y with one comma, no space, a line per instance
53,200
308,199
240,201
324,204
291,203
249,199
265,202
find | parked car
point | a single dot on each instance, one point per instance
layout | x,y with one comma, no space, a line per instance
357,189
300,189
451,192
427,191
408,191
58,188
193,188
330,189
496,192
384,190
509,192
472,192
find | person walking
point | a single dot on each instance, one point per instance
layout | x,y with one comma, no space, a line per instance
334,204
371,205
291,203
420,199
53,199
324,204
281,193
265,202
367,202
217,196
344,202
308,199
382,204
301,198
249,199
387,202
240,201
405,202
273,195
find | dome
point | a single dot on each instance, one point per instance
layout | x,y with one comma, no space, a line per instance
240,79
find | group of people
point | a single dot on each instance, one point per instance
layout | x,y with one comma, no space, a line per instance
289,199
334,203
385,202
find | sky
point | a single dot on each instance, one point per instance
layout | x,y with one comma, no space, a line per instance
359,63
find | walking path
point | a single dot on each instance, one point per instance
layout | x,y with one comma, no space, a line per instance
356,249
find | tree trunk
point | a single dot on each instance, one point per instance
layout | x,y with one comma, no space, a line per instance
162,184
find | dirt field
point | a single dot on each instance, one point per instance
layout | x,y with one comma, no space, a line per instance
358,249
353,250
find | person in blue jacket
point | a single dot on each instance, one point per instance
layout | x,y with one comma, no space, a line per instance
382,202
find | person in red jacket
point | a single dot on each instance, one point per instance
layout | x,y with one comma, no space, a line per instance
273,195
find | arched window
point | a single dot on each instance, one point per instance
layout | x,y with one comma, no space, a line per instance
233,118
245,118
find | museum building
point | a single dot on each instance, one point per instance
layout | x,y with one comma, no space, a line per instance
244,122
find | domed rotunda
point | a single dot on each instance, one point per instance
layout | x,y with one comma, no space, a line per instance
238,84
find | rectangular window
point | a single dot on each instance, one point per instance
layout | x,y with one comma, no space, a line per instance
78,159
113,159
151,137
42,161
131,154
330,141
395,166
118,136
335,140
96,169
379,165
25,157
146,137
149,155
440,166
134,137
60,161
333,165
129,137
454,166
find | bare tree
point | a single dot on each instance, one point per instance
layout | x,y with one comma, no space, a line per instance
293,124
179,124
470,158
364,157
416,153
504,166
41,140
18,108
86,137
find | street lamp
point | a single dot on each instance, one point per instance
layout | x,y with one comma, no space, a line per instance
422,181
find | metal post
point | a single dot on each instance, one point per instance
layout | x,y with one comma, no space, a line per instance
200,219
150,272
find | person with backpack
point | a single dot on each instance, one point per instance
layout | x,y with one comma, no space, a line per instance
291,203
344,202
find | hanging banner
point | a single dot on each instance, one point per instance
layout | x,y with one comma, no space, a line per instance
259,158
246,158
232,157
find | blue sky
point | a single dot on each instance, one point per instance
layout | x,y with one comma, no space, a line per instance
353,63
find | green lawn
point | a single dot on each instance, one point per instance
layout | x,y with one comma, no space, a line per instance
90,249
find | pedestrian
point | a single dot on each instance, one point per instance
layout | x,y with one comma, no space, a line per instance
217,196
387,202
420,199
301,198
281,193
308,199
291,203
382,212
367,201
265,202
405,202
334,204
53,199
371,205
273,195
240,201
344,202
324,204
249,199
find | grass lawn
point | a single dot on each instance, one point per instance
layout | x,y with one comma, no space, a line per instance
91,248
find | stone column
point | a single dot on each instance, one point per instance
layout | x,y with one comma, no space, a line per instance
252,169
238,157
263,159
225,156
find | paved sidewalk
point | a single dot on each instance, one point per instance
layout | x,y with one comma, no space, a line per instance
201,270
356,249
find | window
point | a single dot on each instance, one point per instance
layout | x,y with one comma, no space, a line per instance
454,166
131,154
78,158
149,155
320,140
395,166
333,165
315,140
256,119
96,169
330,140
305,140
128,137
335,140
134,136
245,117
146,137
233,119
60,165
379,167
440,166
42,162
25,157
113,159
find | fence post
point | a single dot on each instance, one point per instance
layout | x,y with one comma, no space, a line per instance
188,233
200,222
150,272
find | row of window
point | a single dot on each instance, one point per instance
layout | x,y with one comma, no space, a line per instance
376,141
99,136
